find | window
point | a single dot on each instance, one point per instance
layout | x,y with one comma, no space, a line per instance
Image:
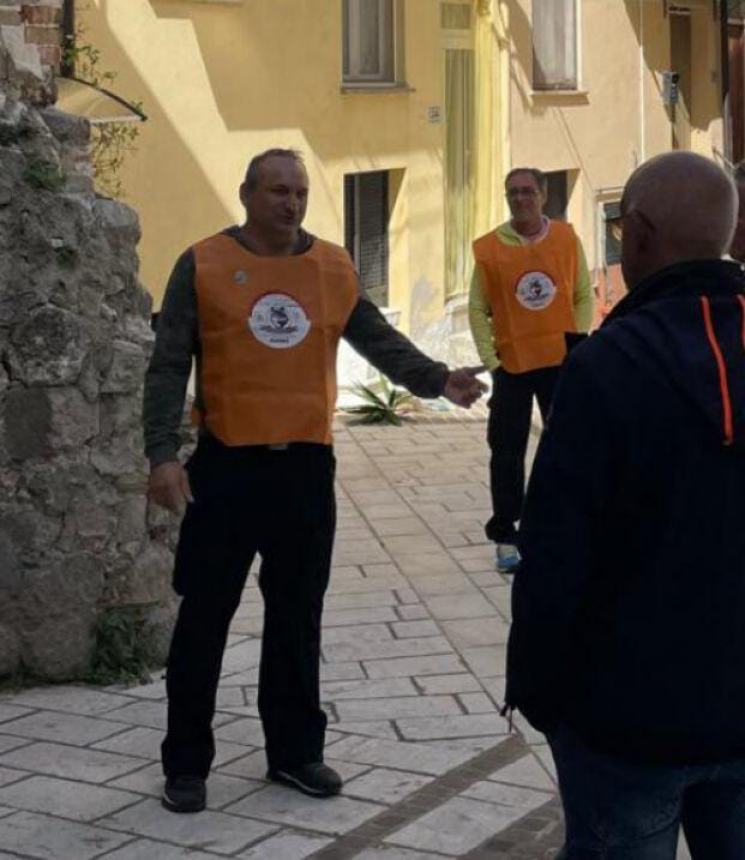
372,41
366,230
555,45
455,16
558,196
612,243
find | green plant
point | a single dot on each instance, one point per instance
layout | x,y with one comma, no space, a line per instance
45,174
389,405
111,142
123,651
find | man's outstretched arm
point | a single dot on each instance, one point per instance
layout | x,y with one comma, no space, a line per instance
393,354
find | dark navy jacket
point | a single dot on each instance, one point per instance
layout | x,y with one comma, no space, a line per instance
629,607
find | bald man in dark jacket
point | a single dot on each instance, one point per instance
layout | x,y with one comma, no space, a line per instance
628,641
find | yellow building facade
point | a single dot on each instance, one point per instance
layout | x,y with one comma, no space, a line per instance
409,113
380,98
592,94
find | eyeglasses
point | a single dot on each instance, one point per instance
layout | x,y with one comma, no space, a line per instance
617,224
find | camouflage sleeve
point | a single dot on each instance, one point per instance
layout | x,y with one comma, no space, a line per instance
176,343
393,354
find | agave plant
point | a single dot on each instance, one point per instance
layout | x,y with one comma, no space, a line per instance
386,406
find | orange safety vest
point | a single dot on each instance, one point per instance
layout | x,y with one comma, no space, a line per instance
269,330
530,289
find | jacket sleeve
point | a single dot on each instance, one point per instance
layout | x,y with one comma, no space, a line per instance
376,340
479,318
176,343
560,529
584,301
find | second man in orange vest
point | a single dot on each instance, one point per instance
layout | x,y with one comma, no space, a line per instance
530,288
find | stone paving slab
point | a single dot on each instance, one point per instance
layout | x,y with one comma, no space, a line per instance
412,675
86,765
213,831
47,838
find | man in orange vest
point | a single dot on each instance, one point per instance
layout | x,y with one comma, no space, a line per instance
261,307
530,289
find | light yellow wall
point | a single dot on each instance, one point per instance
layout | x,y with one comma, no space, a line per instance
617,119
707,132
223,81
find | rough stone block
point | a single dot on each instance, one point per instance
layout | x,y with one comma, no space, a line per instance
66,128
119,222
10,650
74,420
28,418
127,370
49,347
10,581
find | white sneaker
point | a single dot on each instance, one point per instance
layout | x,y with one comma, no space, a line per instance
508,558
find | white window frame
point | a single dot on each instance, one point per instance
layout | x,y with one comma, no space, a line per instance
350,25
577,87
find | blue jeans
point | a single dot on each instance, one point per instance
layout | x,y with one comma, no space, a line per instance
618,810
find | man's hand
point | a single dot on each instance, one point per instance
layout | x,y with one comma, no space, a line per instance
169,487
462,387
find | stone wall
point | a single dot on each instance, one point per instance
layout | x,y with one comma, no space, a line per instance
75,540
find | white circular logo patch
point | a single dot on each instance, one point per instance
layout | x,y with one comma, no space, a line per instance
535,291
278,321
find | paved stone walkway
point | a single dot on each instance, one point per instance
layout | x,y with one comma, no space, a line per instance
413,661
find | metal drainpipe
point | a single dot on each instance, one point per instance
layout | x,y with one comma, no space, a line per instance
67,65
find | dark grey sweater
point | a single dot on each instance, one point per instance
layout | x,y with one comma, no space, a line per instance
177,343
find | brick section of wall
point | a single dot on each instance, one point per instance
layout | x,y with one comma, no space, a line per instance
31,34
41,15
50,55
42,35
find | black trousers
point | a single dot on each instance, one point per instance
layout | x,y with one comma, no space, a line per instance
281,504
510,410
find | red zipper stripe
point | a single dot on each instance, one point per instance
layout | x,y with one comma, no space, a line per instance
722,368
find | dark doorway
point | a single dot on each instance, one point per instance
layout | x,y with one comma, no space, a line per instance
366,230
680,51
558,195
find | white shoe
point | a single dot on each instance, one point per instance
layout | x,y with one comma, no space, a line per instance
508,558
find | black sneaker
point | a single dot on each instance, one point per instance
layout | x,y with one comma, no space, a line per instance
315,779
184,794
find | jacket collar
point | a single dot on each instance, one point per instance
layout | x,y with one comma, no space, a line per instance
693,277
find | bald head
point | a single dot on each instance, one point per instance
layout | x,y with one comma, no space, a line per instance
676,207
